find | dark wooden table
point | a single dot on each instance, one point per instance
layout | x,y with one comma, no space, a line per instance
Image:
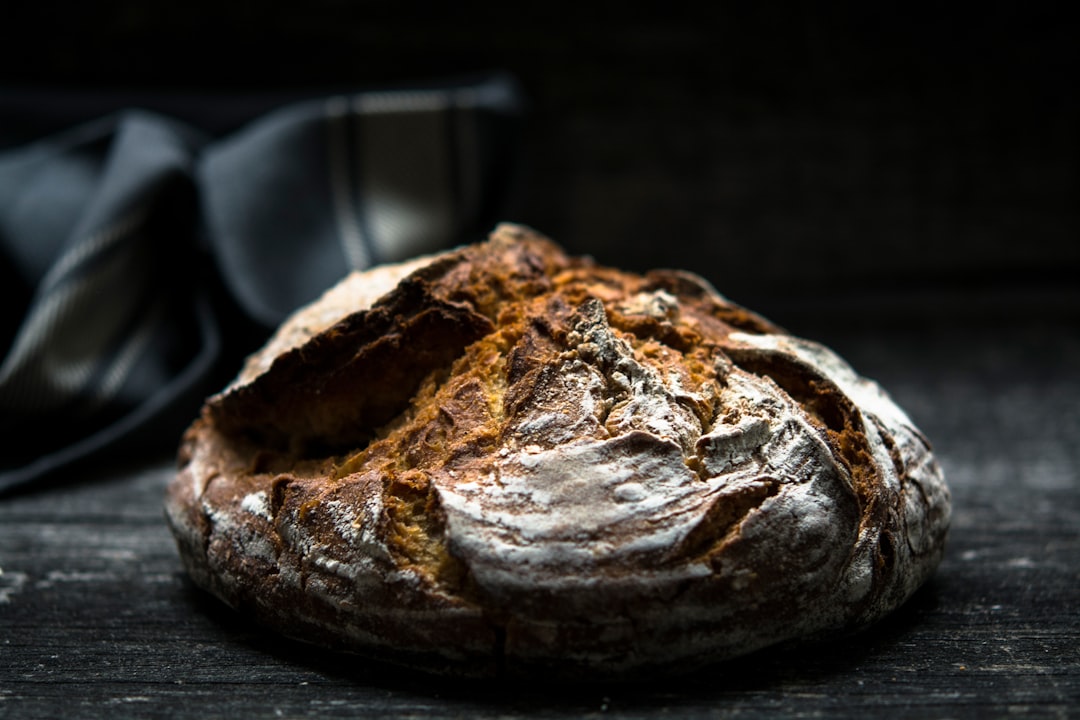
97,619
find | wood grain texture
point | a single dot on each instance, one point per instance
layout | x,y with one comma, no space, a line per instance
97,619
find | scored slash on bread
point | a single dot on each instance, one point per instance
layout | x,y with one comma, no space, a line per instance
504,460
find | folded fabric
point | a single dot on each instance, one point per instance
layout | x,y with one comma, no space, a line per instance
138,252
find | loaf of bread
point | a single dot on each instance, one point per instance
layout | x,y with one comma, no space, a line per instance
501,460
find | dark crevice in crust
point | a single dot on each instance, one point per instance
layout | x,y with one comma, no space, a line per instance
827,406
278,490
333,392
886,552
815,394
724,515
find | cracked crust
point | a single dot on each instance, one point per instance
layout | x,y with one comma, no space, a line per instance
503,460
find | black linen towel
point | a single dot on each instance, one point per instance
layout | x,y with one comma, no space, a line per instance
137,251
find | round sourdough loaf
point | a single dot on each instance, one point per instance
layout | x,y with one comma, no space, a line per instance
504,460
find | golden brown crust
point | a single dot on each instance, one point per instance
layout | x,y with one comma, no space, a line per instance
516,460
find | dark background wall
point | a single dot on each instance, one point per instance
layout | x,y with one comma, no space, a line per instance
776,151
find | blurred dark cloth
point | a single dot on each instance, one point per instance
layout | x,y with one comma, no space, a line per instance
138,251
